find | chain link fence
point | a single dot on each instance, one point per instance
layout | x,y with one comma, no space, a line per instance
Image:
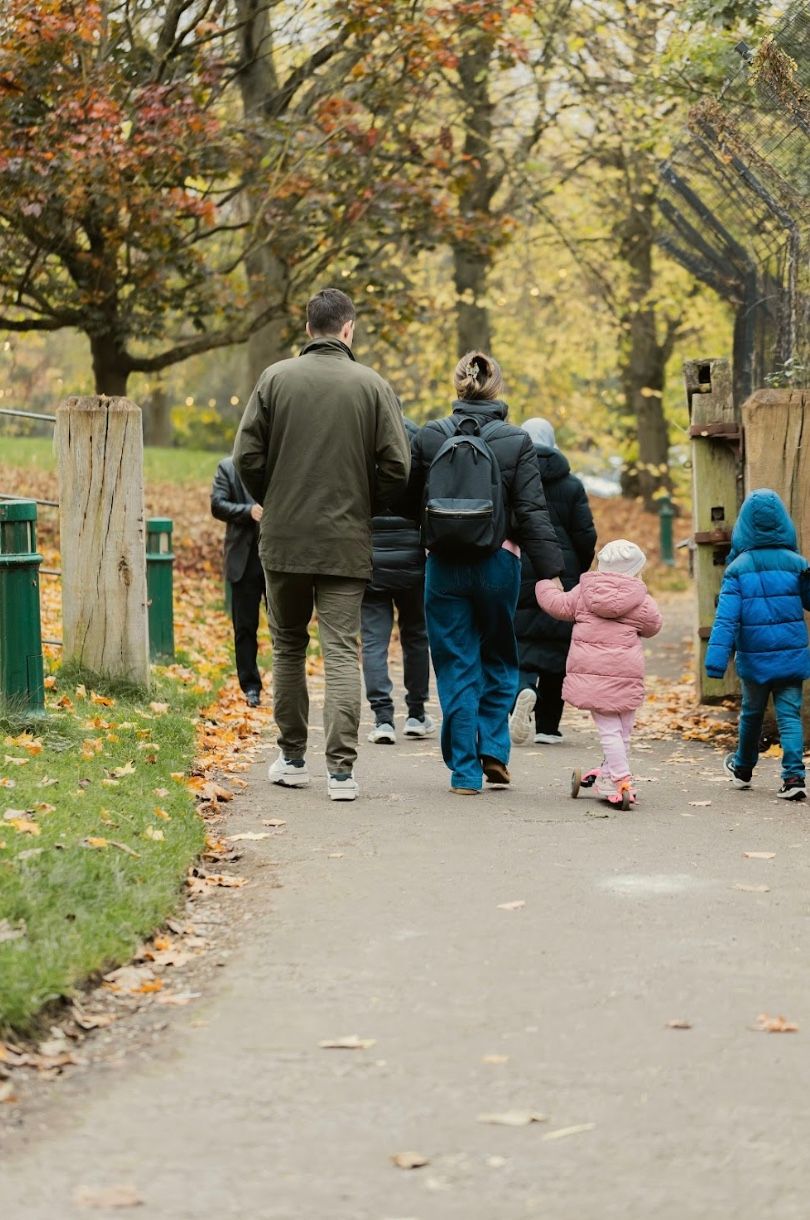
734,200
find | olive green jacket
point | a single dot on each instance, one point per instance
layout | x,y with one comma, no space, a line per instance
321,445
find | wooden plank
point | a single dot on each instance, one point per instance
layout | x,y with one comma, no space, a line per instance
709,392
777,451
99,451
777,455
716,495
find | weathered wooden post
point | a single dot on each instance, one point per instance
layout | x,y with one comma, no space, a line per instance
777,451
99,451
777,455
715,431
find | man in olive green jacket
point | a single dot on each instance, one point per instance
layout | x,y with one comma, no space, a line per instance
320,446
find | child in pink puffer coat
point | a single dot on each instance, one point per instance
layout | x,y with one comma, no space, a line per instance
611,611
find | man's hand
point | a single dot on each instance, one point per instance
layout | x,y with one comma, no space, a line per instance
256,512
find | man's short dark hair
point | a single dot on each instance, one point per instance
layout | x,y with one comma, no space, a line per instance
329,311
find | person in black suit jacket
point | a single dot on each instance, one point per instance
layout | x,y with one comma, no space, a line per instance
240,512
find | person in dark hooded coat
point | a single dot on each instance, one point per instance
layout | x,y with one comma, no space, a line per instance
543,641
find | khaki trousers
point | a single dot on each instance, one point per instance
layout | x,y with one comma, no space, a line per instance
291,600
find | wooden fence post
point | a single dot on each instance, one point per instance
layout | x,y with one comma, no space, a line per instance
99,451
715,431
777,455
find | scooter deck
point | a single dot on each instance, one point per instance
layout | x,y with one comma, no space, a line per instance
578,781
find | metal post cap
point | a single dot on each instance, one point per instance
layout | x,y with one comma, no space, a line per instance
18,510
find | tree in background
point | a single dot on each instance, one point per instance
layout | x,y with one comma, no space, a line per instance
138,206
629,72
498,104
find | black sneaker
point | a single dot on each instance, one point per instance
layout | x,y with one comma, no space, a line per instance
793,789
253,698
739,777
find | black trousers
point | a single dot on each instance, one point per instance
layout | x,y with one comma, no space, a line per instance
377,619
247,595
548,709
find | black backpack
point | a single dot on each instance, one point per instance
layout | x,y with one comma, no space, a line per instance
464,512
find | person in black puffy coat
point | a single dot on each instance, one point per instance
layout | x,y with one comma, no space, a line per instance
397,584
470,604
542,640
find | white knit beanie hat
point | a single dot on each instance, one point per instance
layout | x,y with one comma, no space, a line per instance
540,431
621,557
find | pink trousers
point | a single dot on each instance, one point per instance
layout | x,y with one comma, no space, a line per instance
614,729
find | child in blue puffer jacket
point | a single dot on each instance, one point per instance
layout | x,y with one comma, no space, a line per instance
760,617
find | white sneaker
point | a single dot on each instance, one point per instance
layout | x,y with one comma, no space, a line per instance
426,727
342,789
520,722
384,735
284,772
548,739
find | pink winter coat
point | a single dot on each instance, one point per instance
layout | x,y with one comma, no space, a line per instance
605,670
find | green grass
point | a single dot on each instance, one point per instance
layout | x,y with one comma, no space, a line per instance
183,466
84,908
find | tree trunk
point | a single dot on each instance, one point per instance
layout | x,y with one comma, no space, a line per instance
470,272
157,418
472,258
110,365
268,277
642,358
268,274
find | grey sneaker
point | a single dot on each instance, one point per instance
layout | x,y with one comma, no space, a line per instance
383,735
520,722
288,772
548,739
342,786
426,727
739,778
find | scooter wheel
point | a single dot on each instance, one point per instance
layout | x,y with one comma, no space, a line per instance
625,799
576,780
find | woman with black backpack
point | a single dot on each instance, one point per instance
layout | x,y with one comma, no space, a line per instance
482,503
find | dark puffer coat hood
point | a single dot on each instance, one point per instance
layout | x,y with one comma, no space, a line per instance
542,640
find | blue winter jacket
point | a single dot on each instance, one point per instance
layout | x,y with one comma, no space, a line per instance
762,598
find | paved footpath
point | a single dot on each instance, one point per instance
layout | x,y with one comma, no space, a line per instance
389,925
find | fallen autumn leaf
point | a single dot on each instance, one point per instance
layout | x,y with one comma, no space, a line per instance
107,1196
409,1160
349,1043
563,1132
775,1025
512,1118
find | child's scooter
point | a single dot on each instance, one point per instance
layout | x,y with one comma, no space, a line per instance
622,798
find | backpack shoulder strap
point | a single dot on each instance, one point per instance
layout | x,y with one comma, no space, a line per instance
490,430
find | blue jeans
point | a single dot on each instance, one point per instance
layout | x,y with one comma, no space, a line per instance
787,703
470,610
